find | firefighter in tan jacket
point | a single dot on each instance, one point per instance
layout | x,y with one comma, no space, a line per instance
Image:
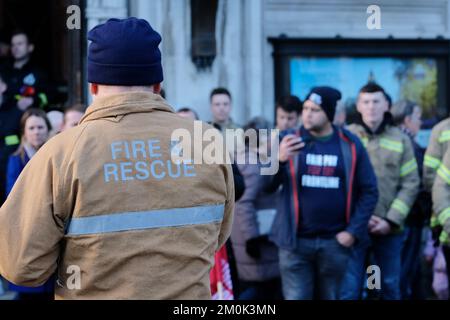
103,206
441,198
437,148
441,187
392,157
393,160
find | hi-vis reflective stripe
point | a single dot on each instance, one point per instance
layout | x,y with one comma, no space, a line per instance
444,216
444,238
434,222
12,140
432,162
391,145
44,99
408,167
445,136
365,141
444,173
129,221
400,206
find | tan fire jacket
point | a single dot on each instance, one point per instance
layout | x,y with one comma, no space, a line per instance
437,147
104,207
441,197
436,176
392,156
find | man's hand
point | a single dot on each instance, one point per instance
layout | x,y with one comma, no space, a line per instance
373,222
379,226
345,239
24,103
290,146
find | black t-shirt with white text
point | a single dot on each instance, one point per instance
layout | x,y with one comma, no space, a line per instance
322,192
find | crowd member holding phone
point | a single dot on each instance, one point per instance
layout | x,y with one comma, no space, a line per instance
314,237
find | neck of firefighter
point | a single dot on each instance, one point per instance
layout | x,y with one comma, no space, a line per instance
99,91
374,125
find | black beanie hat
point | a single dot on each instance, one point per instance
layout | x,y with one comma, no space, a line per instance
327,98
124,53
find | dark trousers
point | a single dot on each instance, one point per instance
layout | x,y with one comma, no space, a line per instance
261,290
410,281
314,270
387,256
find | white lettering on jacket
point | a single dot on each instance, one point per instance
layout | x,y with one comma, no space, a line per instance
142,160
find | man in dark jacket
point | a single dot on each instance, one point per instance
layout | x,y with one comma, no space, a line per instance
27,84
9,134
329,193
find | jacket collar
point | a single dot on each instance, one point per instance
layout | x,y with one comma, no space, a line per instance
406,131
119,105
27,66
387,121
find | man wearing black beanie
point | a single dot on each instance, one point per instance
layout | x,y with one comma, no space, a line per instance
104,205
329,191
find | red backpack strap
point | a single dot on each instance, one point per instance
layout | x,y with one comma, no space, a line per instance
292,170
352,175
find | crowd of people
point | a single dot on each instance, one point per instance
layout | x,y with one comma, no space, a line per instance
346,196
26,124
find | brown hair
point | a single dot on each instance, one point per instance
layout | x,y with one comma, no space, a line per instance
23,121
290,104
220,91
373,87
81,108
76,107
403,109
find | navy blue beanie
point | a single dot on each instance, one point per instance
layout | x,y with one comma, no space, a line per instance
327,98
124,53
